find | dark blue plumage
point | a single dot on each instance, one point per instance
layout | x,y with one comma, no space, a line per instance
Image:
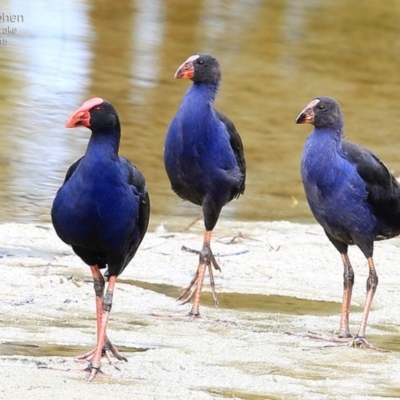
351,194
102,209
203,156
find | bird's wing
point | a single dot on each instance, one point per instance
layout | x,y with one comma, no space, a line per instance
236,144
382,187
71,170
136,179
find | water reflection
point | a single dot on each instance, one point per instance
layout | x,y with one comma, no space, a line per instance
275,55
147,40
222,23
44,60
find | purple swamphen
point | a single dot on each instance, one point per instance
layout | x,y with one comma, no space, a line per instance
204,159
352,195
102,211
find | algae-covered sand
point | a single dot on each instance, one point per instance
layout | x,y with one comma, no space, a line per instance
276,277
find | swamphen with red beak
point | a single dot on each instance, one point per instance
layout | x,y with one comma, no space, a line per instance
204,158
352,195
102,211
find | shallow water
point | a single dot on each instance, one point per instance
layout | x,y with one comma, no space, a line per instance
252,302
275,56
41,349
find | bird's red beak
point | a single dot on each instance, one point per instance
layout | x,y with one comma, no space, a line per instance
186,70
78,118
307,115
81,117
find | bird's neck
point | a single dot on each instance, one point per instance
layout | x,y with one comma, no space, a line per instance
322,155
196,111
327,138
202,93
103,144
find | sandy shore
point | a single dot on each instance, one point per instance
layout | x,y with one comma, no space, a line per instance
238,351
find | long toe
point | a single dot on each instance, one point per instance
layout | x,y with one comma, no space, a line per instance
110,350
190,289
323,337
327,338
212,286
94,370
362,342
215,263
85,357
187,294
107,351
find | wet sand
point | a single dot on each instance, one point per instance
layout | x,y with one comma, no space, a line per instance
276,277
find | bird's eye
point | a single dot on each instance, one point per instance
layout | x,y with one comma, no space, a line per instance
97,109
201,62
321,106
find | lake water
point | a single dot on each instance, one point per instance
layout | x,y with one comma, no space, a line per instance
275,57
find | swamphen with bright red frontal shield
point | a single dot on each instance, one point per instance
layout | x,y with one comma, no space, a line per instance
204,159
102,211
352,195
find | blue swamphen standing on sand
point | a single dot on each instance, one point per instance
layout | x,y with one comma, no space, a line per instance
102,211
352,195
204,159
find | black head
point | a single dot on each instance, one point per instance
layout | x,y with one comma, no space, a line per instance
321,112
200,67
96,114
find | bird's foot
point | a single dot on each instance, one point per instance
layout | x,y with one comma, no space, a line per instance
94,370
348,341
190,317
190,290
213,260
327,338
362,342
90,364
187,295
179,317
107,351
339,341
199,317
89,367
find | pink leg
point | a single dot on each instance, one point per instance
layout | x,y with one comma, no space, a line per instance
196,285
102,328
348,282
103,307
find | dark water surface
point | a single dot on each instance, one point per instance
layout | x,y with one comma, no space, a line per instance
252,302
275,55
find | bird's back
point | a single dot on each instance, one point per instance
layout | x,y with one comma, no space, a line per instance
383,190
